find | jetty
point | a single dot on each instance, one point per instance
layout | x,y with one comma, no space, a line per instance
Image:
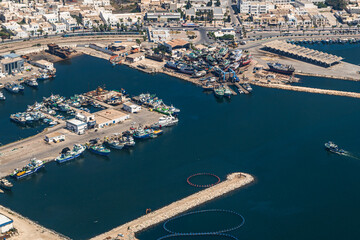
309,90
241,88
233,182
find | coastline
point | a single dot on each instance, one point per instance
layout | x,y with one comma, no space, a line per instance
28,229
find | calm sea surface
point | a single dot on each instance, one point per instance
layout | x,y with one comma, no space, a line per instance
301,191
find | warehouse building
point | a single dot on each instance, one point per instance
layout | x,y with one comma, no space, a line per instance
6,224
76,126
109,117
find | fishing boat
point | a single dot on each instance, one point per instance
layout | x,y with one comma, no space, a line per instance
219,92
18,118
20,87
115,144
45,75
166,121
155,133
281,68
2,97
172,65
128,141
5,184
67,154
99,149
11,87
187,70
141,133
31,82
227,92
332,147
34,166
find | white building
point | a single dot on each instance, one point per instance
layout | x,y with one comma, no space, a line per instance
44,64
136,57
6,224
225,31
109,117
51,18
59,27
54,137
255,6
131,107
76,126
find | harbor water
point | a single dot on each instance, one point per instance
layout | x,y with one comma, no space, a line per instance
301,191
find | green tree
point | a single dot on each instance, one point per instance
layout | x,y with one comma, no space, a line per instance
188,5
138,41
209,4
217,3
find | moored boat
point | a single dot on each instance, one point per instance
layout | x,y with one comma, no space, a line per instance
99,149
67,154
2,97
34,166
31,82
11,87
166,121
115,144
5,184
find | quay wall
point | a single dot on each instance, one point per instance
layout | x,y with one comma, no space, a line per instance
309,90
233,182
27,229
327,76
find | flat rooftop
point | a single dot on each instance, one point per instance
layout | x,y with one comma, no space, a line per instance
303,52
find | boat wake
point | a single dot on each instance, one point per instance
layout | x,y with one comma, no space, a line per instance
351,155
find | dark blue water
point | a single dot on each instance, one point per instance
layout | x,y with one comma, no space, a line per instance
301,191
349,52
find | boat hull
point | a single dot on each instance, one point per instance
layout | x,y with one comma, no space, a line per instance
29,172
99,152
68,158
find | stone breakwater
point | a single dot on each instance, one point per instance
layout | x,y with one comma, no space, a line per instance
234,181
310,90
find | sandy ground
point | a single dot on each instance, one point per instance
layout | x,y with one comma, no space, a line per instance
344,70
28,229
18,154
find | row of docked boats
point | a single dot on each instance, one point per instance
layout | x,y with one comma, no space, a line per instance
156,104
117,141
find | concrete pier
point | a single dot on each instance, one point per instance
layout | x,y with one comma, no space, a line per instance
310,90
233,182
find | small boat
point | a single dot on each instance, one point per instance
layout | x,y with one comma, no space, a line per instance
219,92
21,87
67,154
155,133
128,141
2,97
227,92
332,147
5,184
34,166
11,87
45,75
32,82
99,149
